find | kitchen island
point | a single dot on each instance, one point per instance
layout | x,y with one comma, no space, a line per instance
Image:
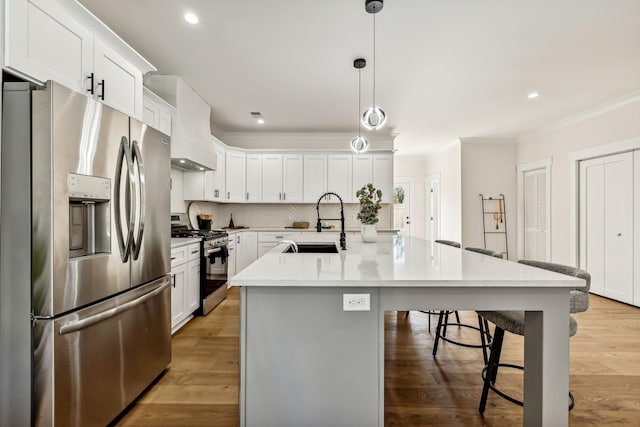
312,326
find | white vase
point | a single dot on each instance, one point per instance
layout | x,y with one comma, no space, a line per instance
369,233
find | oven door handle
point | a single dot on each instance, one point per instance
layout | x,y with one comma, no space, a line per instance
213,251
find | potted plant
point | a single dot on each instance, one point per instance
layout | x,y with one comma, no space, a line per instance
369,199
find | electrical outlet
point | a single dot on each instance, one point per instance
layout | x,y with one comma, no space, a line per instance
356,302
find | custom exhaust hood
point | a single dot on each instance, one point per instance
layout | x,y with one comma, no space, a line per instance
191,147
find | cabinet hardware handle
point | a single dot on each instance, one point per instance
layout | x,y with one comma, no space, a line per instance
216,193
228,194
194,252
619,234
174,280
279,196
172,258
91,78
279,237
247,195
284,196
101,96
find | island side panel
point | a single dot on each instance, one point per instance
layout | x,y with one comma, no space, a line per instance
306,361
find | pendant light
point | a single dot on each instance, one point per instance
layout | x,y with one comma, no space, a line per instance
374,117
359,144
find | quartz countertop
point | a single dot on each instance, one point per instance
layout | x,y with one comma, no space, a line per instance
307,230
176,242
394,261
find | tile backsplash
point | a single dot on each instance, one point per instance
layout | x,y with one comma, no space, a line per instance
282,215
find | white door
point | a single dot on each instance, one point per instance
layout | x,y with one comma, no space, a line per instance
292,178
315,177
606,224
339,177
536,234
403,215
433,215
254,178
272,178
235,176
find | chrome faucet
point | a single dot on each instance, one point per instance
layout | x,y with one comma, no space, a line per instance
343,236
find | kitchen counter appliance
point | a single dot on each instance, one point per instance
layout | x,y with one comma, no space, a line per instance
213,261
85,289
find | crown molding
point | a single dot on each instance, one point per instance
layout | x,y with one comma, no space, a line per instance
584,115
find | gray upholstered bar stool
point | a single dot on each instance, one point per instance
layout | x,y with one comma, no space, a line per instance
483,325
430,313
513,321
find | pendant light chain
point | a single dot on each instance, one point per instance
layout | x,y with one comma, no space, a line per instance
359,100
374,60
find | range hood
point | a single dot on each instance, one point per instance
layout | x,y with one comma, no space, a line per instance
191,146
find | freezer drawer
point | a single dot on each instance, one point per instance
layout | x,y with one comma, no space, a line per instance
89,365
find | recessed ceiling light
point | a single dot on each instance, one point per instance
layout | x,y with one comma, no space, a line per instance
258,116
201,168
191,18
182,161
533,95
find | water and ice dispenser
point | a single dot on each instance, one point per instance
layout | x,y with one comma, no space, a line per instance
89,215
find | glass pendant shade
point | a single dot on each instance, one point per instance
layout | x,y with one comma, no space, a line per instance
374,118
359,144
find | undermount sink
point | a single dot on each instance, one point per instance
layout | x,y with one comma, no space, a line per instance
314,248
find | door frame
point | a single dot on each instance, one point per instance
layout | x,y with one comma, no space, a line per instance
410,182
522,168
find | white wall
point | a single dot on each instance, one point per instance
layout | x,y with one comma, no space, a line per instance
177,191
407,167
488,168
610,124
448,164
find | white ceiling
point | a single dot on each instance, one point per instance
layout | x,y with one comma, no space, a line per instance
445,68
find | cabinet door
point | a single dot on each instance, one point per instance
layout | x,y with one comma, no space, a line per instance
340,176
179,277
219,178
246,249
44,43
192,291
292,178
315,177
196,186
362,171
117,82
383,175
272,178
165,119
265,247
254,178
235,176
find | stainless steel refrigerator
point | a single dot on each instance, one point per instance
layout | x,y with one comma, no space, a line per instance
85,248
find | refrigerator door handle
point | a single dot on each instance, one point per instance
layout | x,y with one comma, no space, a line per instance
124,154
77,325
137,159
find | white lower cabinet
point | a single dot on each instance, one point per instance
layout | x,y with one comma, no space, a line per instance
185,282
246,249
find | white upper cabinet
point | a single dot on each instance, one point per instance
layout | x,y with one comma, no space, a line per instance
235,176
44,42
292,178
340,176
156,112
116,82
272,177
315,177
207,186
383,175
254,178
362,171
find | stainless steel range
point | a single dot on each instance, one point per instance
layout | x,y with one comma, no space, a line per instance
213,261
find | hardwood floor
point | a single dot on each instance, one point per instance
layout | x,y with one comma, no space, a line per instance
201,386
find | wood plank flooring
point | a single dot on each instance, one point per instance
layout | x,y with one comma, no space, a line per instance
200,388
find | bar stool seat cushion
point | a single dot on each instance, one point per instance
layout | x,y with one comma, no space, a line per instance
513,321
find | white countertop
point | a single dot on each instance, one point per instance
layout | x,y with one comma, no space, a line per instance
394,261
176,242
306,230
